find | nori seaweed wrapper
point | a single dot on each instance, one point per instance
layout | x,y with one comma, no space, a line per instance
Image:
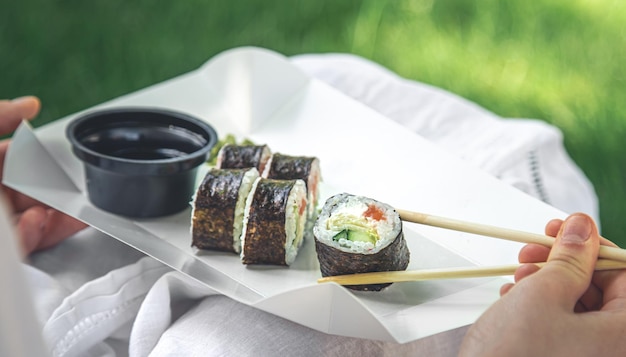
214,209
243,156
285,167
333,261
265,234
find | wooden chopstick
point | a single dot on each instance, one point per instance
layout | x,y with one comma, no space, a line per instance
605,252
444,273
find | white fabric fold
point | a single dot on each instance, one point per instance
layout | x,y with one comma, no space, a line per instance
100,307
169,297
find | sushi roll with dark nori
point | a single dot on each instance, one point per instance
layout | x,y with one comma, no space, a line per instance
233,156
274,220
285,167
218,208
356,234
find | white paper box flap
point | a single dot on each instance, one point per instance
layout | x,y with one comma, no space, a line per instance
26,151
255,82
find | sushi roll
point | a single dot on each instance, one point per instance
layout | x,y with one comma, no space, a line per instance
218,208
285,167
273,228
233,156
355,234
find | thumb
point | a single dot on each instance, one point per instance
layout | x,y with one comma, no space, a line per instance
571,262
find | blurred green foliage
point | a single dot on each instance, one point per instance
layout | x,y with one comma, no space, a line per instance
559,61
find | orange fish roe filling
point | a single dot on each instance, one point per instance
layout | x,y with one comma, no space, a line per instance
374,213
302,206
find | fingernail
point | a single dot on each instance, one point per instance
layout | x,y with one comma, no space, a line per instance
576,229
19,100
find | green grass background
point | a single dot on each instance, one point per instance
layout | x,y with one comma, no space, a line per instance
561,61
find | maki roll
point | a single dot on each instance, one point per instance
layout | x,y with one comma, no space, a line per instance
233,156
355,234
285,167
273,228
218,208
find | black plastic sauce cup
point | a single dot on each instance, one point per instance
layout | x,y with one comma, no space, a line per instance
140,162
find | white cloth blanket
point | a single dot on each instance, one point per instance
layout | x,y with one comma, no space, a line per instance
95,296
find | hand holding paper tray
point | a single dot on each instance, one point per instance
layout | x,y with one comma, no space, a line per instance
258,94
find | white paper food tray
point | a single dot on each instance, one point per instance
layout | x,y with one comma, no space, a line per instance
258,94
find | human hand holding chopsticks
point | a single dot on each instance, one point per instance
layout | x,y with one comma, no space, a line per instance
564,308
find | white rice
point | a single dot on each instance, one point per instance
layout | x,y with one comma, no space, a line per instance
246,215
266,156
294,221
244,189
315,176
268,166
355,206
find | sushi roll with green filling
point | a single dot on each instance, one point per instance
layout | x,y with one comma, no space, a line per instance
356,234
233,156
218,209
285,167
274,221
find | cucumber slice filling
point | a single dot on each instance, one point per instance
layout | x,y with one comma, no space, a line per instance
352,228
